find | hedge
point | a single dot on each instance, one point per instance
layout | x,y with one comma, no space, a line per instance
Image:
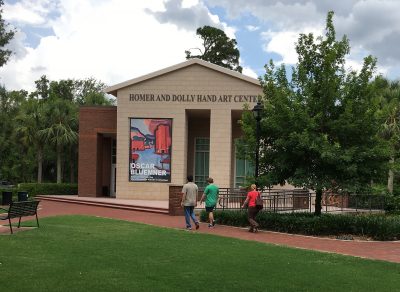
393,204
34,189
376,226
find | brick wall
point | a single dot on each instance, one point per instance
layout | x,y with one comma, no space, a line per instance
94,122
175,198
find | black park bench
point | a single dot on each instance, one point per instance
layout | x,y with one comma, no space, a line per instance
20,209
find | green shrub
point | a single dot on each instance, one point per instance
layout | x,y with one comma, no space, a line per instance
379,189
393,204
34,189
14,190
377,226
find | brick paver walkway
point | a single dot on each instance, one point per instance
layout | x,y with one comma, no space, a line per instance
387,251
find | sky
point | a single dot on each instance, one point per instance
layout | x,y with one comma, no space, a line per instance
117,40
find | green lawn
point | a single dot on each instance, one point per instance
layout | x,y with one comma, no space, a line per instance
79,253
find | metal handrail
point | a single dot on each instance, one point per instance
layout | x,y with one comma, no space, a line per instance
299,200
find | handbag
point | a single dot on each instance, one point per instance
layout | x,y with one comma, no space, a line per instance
259,202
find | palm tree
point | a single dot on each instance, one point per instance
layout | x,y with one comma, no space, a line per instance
391,126
61,132
29,123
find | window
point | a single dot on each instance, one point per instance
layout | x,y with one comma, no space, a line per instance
243,169
201,163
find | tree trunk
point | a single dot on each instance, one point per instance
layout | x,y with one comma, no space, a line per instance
59,174
390,176
72,166
318,199
40,165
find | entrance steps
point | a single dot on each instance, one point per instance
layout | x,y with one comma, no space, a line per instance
159,207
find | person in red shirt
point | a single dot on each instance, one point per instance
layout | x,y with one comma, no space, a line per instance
252,208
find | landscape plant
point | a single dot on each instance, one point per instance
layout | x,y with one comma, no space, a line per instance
370,226
320,128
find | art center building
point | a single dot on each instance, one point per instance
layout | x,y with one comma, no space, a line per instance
178,121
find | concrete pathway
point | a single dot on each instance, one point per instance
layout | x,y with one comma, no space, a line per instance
387,251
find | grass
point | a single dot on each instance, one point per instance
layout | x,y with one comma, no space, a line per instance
79,253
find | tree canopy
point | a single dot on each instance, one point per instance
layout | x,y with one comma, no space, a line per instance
217,48
42,127
5,38
320,129
389,93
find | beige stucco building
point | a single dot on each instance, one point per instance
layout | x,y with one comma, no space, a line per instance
198,105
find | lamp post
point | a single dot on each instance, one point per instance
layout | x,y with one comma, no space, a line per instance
257,115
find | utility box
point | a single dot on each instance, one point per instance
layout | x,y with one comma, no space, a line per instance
22,196
6,198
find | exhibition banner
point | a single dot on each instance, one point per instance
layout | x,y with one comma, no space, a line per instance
150,150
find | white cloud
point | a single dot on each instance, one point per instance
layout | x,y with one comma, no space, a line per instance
104,40
373,25
187,18
115,40
252,28
353,65
283,43
29,12
17,13
16,45
249,72
229,30
189,3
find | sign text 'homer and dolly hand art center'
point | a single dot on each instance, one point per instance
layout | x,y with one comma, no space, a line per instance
150,150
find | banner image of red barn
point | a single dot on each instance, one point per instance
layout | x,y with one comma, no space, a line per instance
162,139
137,143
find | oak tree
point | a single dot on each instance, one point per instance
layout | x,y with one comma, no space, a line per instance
217,48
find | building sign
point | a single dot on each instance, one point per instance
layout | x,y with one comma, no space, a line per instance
150,150
193,98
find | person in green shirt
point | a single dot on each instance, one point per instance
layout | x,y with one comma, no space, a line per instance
210,196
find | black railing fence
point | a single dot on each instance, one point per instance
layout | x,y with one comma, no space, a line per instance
300,200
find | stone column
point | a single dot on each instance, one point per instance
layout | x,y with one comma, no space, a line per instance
220,147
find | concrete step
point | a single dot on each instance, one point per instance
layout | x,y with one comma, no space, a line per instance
106,204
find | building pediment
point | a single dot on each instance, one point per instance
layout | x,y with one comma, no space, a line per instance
184,66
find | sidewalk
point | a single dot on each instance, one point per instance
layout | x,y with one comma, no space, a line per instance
387,251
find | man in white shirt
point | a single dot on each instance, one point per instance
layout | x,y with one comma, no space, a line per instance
189,201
